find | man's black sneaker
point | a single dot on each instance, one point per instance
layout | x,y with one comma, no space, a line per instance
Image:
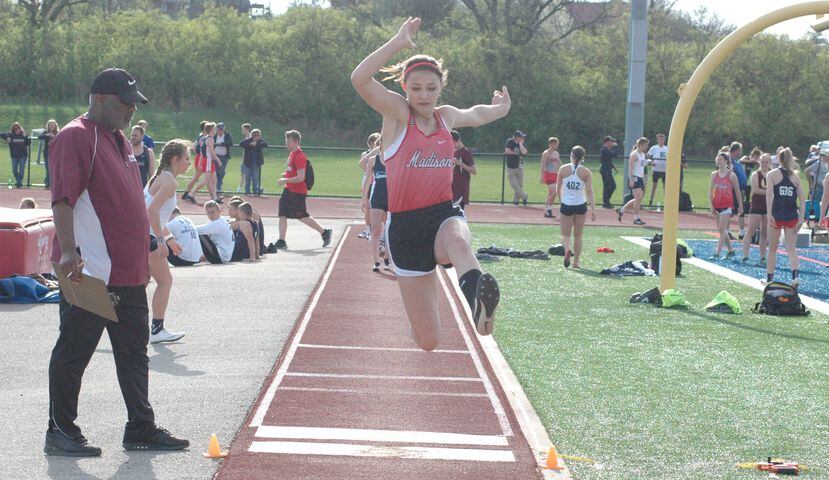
271,248
326,237
524,201
153,439
60,445
189,198
280,245
219,199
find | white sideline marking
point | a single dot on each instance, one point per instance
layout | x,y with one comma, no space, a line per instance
363,435
811,302
381,377
259,417
381,349
374,392
534,431
421,453
506,428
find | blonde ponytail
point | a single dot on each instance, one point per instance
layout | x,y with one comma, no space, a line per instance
172,149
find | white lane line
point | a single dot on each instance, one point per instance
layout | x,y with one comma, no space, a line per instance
528,420
421,453
811,302
375,392
506,428
380,377
380,349
259,417
363,435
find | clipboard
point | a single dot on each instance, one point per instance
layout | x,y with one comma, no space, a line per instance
91,294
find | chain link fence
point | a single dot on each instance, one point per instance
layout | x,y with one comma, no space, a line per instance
337,174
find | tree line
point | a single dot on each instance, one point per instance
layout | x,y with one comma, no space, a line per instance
567,79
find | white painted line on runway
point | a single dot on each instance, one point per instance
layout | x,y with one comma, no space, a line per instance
259,417
506,428
363,435
811,302
420,453
528,421
380,349
391,392
381,377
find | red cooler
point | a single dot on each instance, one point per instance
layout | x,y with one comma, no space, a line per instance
26,238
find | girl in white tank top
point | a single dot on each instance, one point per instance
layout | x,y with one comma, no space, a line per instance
160,196
575,187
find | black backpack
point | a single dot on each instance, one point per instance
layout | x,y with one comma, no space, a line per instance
780,299
309,175
685,204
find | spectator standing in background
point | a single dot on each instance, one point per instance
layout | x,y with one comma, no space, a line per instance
659,156
148,140
514,152
46,137
19,150
462,172
254,159
246,129
550,164
607,169
222,142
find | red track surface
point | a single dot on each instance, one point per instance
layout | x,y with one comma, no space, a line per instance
353,368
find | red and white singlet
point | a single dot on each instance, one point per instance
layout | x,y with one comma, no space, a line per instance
419,167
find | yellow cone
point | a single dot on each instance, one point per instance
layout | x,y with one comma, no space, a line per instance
214,450
552,458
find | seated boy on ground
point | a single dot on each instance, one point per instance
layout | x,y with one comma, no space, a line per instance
216,236
260,228
186,236
246,245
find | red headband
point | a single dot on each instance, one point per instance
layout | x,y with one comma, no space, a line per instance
431,66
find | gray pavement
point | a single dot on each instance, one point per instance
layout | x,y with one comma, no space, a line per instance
237,318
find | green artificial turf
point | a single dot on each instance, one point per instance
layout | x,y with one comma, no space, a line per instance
648,392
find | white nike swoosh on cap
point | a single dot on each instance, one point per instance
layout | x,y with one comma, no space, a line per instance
131,83
441,142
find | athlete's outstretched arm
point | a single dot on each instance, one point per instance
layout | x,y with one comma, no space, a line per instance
378,97
479,114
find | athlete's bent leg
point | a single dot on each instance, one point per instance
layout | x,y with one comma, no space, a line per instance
420,297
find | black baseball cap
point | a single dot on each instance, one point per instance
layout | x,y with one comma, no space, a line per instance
519,133
116,81
608,138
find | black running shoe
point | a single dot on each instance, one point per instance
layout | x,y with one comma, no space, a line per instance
58,444
548,214
638,221
326,237
154,439
219,199
271,248
487,295
280,245
619,214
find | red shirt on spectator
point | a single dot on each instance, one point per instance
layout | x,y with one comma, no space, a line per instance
460,177
296,161
94,171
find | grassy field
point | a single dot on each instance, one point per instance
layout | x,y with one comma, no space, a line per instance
647,392
335,168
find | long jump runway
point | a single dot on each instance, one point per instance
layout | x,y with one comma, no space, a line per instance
353,397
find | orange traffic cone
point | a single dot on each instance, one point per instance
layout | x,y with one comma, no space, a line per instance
214,450
552,458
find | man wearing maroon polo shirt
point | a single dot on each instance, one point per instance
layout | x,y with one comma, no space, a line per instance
101,221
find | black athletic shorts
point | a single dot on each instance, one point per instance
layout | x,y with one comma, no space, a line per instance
410,237
737,204
656,176
570,210
379,199
177,261
638,182
292,205
211,253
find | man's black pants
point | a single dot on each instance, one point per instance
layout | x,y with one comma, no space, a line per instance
609,186
80,332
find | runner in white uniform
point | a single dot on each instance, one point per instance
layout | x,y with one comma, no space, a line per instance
216,237
575,188
160,197
636,180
